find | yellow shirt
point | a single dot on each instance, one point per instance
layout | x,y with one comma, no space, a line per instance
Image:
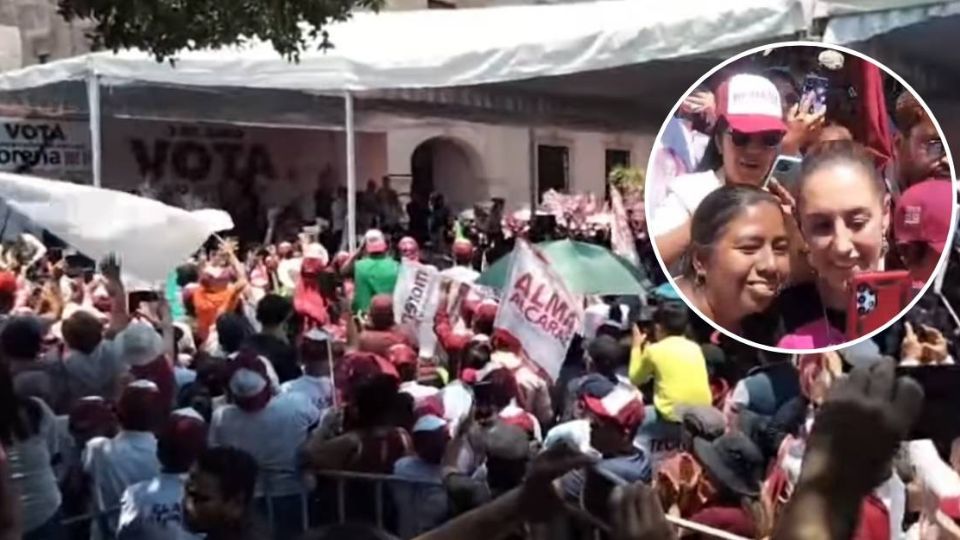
679,373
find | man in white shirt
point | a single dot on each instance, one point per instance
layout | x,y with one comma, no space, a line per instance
462,270
271,428
153,509
315,384
129,457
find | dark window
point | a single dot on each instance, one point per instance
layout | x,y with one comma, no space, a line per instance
553,168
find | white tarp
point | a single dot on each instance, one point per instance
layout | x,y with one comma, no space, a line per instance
863,24
439,48
150,237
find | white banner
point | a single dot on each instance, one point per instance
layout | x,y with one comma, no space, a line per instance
621,235
538,309
415,301
53,148
150,237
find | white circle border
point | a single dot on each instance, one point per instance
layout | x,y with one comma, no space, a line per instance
941,264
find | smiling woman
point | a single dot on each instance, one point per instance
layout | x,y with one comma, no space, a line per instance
742,150
739,255
845,235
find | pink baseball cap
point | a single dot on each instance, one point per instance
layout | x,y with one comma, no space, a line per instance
750,104
923,214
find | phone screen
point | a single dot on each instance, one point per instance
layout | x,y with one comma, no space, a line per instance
815,89
875,299
786,170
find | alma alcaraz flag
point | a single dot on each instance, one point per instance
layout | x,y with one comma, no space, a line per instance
538,310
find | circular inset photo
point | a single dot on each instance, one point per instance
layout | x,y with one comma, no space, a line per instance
800,197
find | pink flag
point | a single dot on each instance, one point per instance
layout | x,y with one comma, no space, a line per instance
621,236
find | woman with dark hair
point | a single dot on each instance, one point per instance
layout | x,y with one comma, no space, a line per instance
738,259
28,434
744,145
844,235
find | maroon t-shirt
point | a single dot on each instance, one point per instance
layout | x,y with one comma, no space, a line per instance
732,519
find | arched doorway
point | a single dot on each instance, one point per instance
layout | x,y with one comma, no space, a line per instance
449,167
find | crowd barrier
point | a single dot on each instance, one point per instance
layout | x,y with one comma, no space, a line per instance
380,484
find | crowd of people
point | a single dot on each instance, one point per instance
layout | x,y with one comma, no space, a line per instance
272,392
771,197
226,405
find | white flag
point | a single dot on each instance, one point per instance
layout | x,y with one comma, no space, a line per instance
621,235
538,309
415,301
150,237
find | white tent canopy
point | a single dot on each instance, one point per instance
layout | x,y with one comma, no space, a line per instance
441,48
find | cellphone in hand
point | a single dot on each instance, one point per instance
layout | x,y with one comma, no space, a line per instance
815,92
875,299
786,170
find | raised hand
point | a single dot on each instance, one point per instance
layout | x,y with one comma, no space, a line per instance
910,347
110,268
858,429
539,499
636,514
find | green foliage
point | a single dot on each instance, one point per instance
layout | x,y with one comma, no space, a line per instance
627,179
164,27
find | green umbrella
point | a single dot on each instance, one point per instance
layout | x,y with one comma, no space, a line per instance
585,269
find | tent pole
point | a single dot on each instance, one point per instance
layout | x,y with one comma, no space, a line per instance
532,156
93,108
351,172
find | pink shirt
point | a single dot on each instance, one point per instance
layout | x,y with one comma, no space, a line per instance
813,335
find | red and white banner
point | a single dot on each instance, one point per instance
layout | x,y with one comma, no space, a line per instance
621,236
538,309
415,301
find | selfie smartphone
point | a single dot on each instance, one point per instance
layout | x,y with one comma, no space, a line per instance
938,419
815,89
875,299
786,169
135,298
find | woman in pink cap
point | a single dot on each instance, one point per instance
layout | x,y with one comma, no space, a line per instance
744,145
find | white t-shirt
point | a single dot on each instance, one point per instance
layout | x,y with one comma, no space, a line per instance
683,196
273,437
461,274
115,464
153,510
318,390
288,271
418,391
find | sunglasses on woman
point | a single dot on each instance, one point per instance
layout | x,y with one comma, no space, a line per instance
767,138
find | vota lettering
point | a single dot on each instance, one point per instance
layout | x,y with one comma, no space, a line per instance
32,132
